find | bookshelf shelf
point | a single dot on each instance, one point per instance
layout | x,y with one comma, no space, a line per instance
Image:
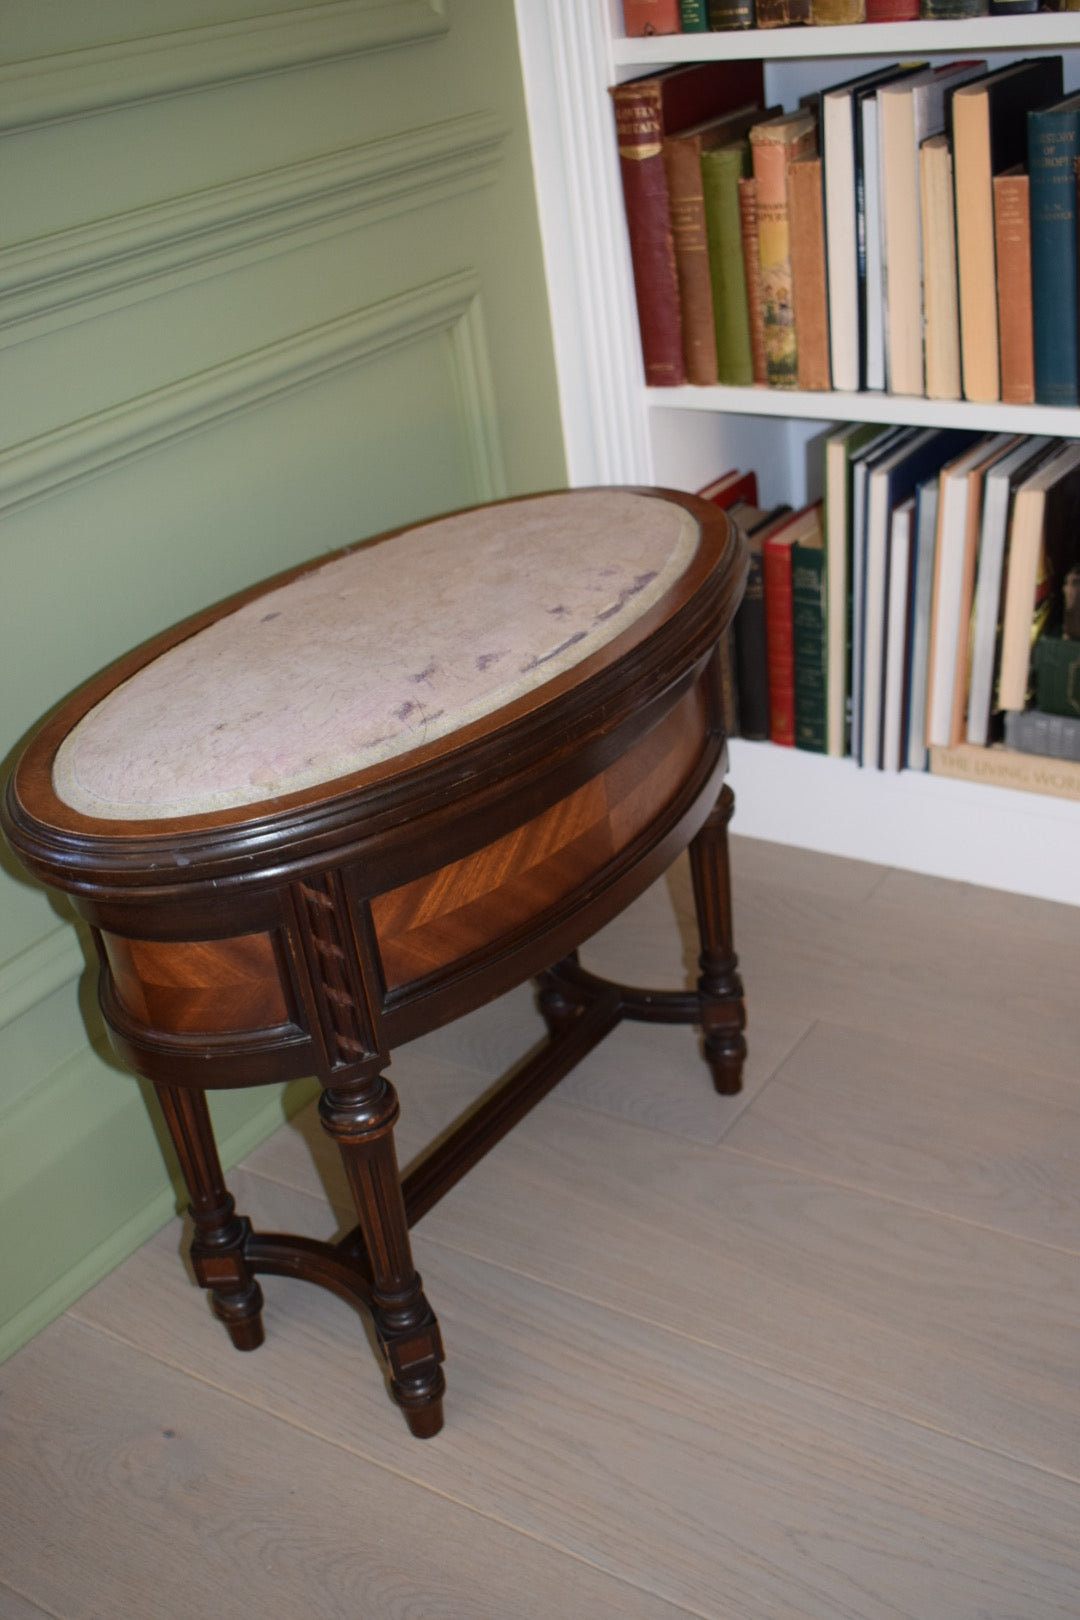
1041,31
967,831
618,431
869,407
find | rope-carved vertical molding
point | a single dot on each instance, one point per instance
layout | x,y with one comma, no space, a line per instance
340,964
338,971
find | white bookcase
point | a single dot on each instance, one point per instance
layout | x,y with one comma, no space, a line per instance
619,431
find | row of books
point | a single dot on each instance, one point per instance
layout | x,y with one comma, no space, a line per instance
913,230
646,17
931,593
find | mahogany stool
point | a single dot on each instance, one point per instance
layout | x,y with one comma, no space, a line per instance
365,797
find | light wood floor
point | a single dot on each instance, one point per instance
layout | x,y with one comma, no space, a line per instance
812,1353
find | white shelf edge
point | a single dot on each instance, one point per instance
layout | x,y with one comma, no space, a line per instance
1033,31
1024,843
830,406
566,66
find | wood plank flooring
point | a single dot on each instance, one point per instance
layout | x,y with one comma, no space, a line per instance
808,1353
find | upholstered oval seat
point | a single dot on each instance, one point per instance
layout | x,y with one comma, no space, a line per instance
378,652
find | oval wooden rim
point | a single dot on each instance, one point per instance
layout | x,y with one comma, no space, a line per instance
568,716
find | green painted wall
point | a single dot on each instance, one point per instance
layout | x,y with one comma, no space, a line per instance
272,282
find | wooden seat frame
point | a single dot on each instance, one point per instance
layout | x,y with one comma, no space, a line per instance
316,933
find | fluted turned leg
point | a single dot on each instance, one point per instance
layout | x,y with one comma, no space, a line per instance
217,1250
360,1116
720,991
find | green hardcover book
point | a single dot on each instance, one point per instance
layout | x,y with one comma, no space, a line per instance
721,170
809,627
1057,674
949,10
730,14
694,15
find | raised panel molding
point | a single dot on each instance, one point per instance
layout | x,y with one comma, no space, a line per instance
50,962
89,81
108,439
51,1163
50,281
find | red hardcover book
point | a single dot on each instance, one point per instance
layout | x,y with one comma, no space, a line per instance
780,621
892,11
645,111
651,17
733,486
1012,240
780,642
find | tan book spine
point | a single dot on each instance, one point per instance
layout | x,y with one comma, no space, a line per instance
827,13
938,630
748,222
773,145
1024,574
808,273
1016,336
962,674
903,261
686,201
975,264
1003,767
940,302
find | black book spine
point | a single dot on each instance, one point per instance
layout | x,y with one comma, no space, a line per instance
947,10
751,660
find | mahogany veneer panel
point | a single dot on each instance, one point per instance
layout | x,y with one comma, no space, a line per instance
449,914
213,987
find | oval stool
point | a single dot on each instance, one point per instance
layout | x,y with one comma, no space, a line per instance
369,795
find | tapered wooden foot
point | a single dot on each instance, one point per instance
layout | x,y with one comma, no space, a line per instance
725,1059
218,1247
719,989
240,1310
426,1421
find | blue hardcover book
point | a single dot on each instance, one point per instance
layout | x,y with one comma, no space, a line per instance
920,600
863,462
1053,146
868,214
840,135
896,476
